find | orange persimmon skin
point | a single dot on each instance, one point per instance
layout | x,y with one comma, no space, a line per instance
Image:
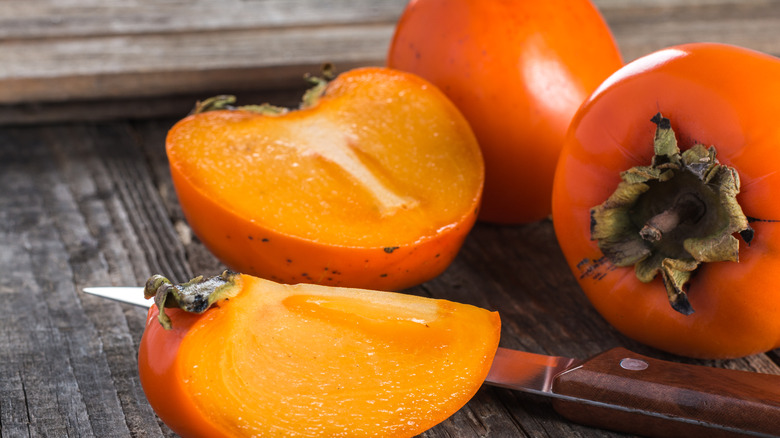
321,225
157,357
713,94
201,387
518,70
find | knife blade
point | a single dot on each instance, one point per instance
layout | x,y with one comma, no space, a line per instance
129,295
624,391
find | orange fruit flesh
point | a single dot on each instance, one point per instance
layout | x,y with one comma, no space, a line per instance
309,360
345,171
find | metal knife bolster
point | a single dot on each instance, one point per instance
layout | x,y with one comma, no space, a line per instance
624,391
527,372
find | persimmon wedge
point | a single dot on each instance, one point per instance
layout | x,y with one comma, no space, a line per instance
267,359
373,183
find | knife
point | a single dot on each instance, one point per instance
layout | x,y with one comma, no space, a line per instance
624,391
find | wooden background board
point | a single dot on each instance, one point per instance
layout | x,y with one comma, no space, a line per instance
55,52
121,49
86,197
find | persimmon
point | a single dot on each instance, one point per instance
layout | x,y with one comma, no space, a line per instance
374,182
665,200
269,359
518,70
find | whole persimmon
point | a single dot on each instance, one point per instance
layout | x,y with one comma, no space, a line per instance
374,182
273,360
665,200
518,70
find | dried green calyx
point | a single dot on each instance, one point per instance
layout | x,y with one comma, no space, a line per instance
671,216
195,296
227,102
309,99
318,85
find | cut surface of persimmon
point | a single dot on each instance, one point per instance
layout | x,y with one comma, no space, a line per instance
374,183
268,359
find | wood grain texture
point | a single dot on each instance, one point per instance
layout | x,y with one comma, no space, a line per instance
91,203
686,396
641,27
56,52
87,199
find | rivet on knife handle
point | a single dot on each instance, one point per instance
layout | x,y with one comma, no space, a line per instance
650,397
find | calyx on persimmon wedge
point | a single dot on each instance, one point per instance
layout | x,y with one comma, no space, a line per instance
268,359
374,182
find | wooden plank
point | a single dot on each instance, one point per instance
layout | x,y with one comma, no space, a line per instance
54,51
52,19
87,204
55,350
91,59
641,27
135,108
153,65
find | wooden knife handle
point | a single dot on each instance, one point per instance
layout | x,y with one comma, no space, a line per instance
650,397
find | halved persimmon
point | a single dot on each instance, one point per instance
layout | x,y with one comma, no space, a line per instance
373,183
268,359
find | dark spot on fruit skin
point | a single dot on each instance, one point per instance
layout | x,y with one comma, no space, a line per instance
383,275
390,249
415,51
251,238
595,269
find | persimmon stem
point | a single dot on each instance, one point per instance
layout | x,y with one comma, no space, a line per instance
687,209
195,296
699,215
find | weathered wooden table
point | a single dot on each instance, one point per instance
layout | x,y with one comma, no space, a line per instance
87,93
